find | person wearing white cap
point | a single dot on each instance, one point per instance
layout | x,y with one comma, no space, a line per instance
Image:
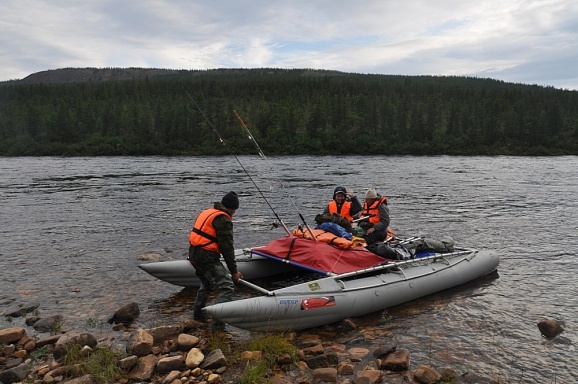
376,209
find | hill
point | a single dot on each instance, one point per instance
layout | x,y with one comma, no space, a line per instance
140,111
80,75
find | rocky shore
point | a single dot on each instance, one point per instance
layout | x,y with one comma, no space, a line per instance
190,353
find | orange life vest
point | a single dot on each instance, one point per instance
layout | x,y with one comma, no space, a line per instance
204,234
374,210
324,237
345,209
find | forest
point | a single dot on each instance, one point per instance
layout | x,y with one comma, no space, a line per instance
288,112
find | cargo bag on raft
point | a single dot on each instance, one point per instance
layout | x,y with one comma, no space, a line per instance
409,249
427,244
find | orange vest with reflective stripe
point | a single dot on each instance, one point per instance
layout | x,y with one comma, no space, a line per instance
345,209
374,210
203,234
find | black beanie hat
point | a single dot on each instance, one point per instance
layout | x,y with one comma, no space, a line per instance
230,200
339,190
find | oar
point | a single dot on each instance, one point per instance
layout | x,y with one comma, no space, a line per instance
256,287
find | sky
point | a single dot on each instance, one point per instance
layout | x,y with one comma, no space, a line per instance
516,41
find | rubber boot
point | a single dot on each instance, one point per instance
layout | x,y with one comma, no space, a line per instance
199,315
217,326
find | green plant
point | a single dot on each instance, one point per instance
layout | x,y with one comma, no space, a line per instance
255,372
102,363
56,328
94,323
271,345
40,353
386,319
9,319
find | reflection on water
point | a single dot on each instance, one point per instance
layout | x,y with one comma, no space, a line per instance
73,227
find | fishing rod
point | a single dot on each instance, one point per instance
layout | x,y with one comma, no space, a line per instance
272,169
239,161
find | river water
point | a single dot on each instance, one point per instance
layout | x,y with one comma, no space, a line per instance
72,228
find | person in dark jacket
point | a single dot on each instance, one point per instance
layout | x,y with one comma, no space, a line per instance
344,203
377,212
211,237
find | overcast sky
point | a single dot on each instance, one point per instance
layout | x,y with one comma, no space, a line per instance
523,41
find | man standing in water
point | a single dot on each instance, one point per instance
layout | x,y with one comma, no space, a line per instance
211,237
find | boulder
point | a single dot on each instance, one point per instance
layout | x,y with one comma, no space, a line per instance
395,361
15,374
427,375
48,324
126,314
70,338
214,360
550,328
144,369
11,335
171,363
327,375
194,358
140,343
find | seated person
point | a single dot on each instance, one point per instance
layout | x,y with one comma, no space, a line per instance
344,203
375,226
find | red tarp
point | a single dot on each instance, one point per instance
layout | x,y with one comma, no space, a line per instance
319,256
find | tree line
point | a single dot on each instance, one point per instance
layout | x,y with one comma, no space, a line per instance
289,112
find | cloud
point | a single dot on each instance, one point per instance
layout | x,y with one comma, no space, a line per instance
528,42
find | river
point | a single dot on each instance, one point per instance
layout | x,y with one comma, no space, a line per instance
72,229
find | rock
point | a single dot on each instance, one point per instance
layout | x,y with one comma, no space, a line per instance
284,359
427,375
15,374
385,349
550,328
8,350
322,361
316,349
448,374
160,334
11,335
171,377
14,362
21,354
48,324
328,375
31,320
128,363
395,361
214,360
172,363
86,379
126,314
357,354
48,340
371,376
140,343
20,310
71,338
29,346
185,342
144,369
344,368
